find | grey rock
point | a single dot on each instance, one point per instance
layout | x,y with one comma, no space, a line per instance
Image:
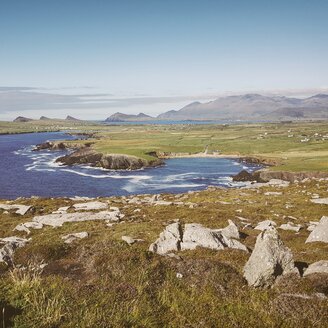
90,206
169,240
266,224
291,226
320,201
28,225
20,209
194,235
9,245
57,220
269,259
70,238
317,267
129,240
231,231
320,232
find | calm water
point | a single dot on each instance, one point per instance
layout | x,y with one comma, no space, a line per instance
26,173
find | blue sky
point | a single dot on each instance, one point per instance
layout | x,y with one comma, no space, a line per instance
173,51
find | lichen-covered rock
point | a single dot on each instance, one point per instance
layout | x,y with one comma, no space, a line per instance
317,267
269,259
320,232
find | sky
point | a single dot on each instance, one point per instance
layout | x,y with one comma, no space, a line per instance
91,58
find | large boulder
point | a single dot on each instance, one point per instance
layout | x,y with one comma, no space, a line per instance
269,259
193,235
196,235
320,232
317,267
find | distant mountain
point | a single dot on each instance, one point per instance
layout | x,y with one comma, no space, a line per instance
44,118
22,119
252,107
120,117
71,118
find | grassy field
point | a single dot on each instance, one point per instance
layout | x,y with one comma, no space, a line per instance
294,146
101,281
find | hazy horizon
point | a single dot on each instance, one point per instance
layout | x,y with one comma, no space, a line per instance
92,59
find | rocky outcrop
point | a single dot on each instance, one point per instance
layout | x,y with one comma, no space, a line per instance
266,176
290,176
59,145
244,176
193,235
317,267
108,161
320,232
9,245
269,259
22,119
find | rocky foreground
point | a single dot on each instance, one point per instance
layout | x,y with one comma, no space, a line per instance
251,257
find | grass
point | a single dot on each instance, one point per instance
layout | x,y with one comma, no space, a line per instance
280,142
101,281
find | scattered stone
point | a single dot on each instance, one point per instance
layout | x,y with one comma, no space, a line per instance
9,245
320,232
273,193
90,206
319,201
27,226
57,220
269,259
130,240
291,226
317,267
68,239
266,224
179,275
20,209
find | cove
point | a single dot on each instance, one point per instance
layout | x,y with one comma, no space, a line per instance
25,173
